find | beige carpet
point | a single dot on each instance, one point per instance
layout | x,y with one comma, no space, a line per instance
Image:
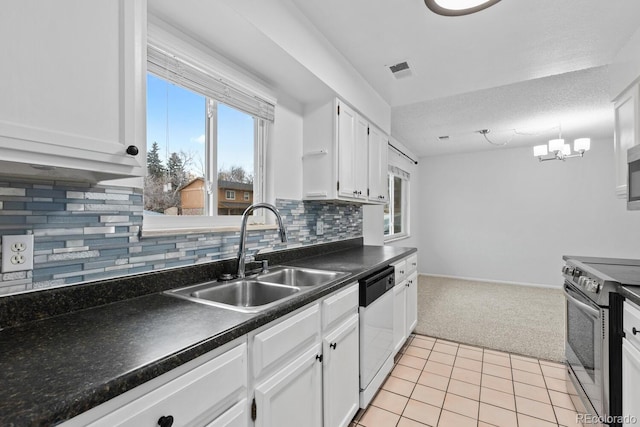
525,320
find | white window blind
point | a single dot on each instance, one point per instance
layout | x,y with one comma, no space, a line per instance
173,68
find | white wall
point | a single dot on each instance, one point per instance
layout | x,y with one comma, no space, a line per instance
501,215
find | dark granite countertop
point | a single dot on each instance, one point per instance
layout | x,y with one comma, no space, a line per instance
58,367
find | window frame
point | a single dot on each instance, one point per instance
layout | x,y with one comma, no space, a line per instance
227,193
212,222
405,203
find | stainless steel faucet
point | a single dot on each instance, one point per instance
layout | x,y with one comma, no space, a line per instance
243,232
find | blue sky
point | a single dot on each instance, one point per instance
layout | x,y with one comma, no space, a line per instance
185,128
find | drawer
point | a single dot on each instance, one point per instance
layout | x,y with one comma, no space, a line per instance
194,398
339,306
412,264
400,270
631,320
282,341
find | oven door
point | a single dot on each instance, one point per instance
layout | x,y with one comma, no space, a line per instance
584,346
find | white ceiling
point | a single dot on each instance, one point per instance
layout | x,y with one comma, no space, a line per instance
521,64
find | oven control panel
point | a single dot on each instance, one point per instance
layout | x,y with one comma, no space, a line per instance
581,278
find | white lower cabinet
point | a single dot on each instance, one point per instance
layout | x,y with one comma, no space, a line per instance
399,316
292,397
405,300
341,374
631,363
236,416
412,303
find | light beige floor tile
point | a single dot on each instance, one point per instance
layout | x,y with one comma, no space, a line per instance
398,386
556,384
429,395
521,365
532,392
497,360
469,354
497,398
496,371
553,372
376,417
422,344
535,409
441,341
468,390
483,424
567,417
406,373
523,358
445,348
472,365
433,380
390,401
497,383
412,362
497,416
414,351
437,368
527,421
471,347
451,419
528,378
552,364
496,352
422,412
466,375
562,400
444,358
461,405
424,338
407,422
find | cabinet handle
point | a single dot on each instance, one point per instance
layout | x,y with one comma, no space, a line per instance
635,331
165,421
132,150
333,345
319,358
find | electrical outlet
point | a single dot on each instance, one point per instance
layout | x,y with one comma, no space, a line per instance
17,253
319,228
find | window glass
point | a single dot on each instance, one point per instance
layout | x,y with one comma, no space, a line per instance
194,144
397,205
396,212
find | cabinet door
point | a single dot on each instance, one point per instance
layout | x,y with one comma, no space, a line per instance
630,380
378,189
412,303
627,120
341,380
399,316
346,151
75,76
292,397
361,157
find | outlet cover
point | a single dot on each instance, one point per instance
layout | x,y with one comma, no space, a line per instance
17,253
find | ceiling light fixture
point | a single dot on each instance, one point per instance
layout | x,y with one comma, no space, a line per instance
458,7
560,150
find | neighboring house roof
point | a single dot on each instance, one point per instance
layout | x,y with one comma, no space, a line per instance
230,185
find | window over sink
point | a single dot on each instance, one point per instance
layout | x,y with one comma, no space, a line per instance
205,144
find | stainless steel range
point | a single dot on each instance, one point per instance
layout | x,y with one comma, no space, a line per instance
593,330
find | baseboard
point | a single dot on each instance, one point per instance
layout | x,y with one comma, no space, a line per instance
501,282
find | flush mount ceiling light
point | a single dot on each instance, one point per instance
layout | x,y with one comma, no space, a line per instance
458,7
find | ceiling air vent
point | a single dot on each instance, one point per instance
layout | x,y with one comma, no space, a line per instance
401,70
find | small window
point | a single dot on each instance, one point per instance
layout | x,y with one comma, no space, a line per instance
396,212
247,196
230,195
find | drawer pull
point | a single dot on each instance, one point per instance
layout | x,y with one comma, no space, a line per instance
165,421
333,345
319,358
635,331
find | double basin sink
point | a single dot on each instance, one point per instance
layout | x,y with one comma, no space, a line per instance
257,293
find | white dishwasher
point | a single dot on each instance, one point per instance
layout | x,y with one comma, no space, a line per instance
376,332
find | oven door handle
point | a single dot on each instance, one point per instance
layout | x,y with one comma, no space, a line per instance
584,307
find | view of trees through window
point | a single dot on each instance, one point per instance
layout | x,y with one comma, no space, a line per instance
178,135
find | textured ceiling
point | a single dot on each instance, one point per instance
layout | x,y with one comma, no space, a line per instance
489,70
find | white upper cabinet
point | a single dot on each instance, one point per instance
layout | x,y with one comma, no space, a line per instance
627,126
378,151
337,155
72,87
